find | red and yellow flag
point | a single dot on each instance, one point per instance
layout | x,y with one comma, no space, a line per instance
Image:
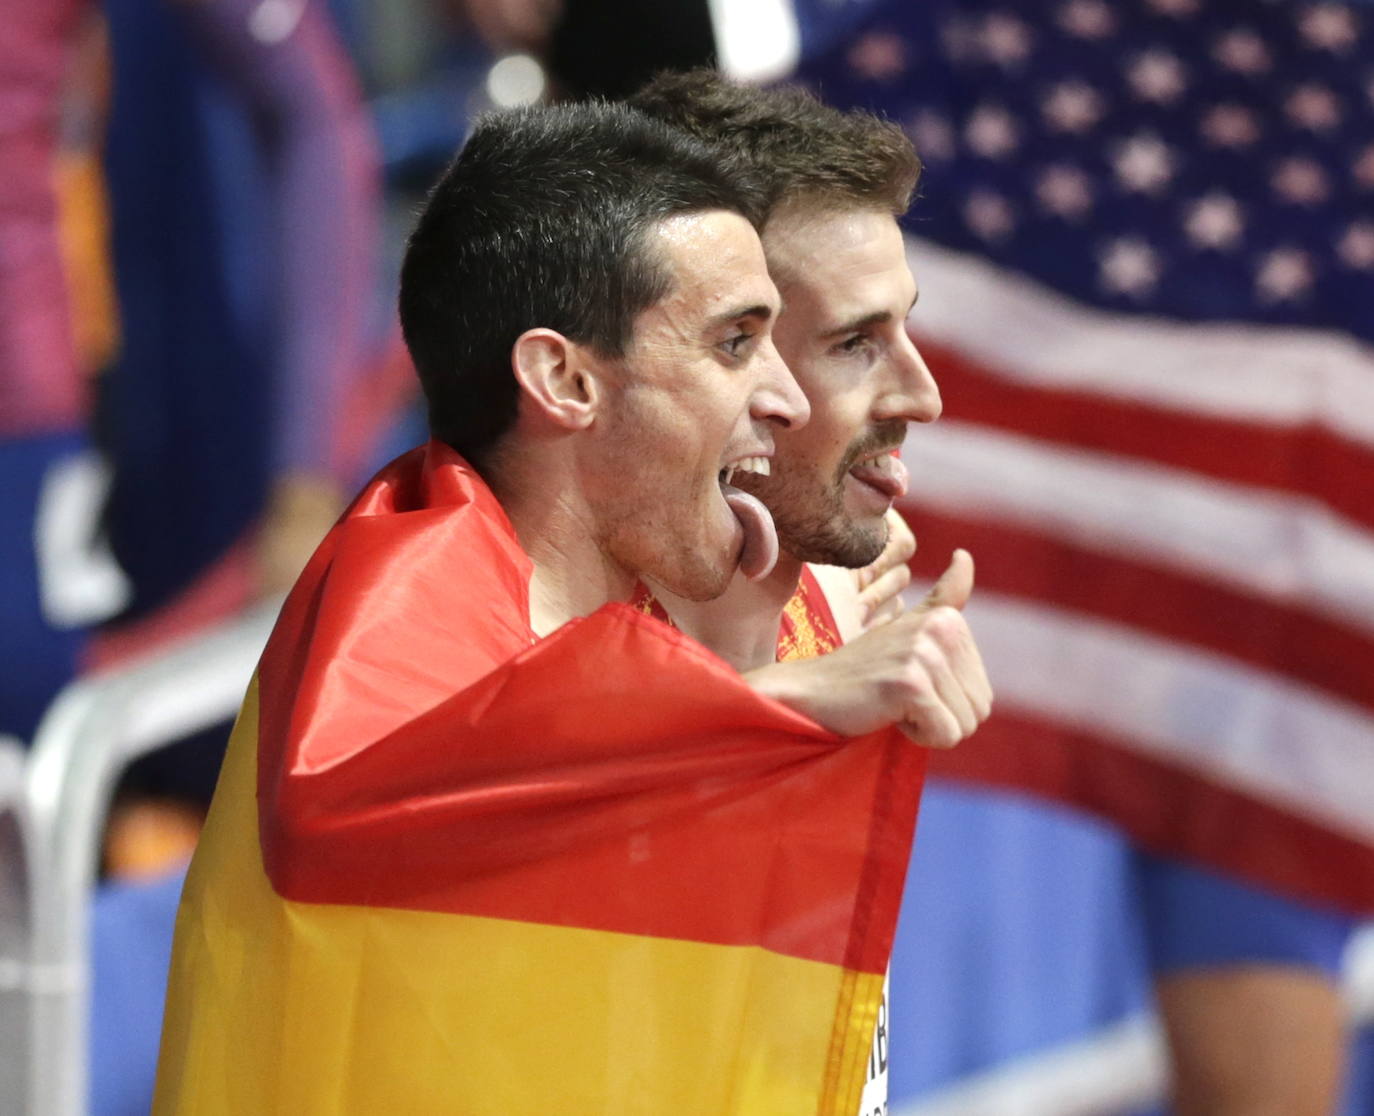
452,868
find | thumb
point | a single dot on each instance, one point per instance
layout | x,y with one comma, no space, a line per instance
954,586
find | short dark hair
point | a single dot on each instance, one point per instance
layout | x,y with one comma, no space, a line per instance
809,153
541,220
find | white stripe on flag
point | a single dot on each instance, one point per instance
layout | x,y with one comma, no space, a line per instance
1289,549
1026,333
1280,741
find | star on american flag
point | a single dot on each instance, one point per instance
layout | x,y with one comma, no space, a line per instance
1363,168
1144,164
1301,180
1284,274
1244,52
1087,19
1179,9
1356,247
1230,125
1314,107
1064,191
878,56
1215,221
932,135
1005,39
1157,76
1073,106
1130,267
989,215
992,132
1328,27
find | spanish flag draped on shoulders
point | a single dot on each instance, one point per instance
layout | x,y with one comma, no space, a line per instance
451,867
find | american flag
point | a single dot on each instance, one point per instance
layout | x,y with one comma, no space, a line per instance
1145,248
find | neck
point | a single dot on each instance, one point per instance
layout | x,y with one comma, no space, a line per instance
741,625
572,577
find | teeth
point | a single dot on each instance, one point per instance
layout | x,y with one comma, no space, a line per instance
760,465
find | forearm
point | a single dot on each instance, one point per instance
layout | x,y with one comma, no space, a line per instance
790,685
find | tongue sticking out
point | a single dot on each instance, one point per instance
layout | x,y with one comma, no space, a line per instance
759,553
885,473
900,475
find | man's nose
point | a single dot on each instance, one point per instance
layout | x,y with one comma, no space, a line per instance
778,398
914,395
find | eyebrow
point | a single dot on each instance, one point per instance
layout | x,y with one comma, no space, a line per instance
878,317
758,310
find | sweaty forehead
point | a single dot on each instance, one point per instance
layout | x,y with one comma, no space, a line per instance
848,263
715,257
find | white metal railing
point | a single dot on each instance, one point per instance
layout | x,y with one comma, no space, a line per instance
16,926
96,728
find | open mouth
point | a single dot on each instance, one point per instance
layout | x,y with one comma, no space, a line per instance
883,472
759,546
760,465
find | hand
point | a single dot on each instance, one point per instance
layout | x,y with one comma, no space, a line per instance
881,582
921,672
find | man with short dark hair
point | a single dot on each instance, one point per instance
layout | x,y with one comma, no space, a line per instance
506,214
484,842
836,182
585,256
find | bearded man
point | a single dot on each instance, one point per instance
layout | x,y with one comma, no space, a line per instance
837,182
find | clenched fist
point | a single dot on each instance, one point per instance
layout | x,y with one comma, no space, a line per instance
920,671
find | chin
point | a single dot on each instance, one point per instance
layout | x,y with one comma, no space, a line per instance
697,586
694,577
843,541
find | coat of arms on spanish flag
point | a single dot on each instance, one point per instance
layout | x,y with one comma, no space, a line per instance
453,868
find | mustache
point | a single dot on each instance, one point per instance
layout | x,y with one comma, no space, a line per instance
887,435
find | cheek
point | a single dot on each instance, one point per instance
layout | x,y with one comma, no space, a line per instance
799,473
726,410
658,433
822,442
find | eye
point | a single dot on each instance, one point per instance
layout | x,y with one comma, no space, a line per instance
855,345
736,344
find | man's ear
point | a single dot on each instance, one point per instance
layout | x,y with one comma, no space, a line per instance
557,377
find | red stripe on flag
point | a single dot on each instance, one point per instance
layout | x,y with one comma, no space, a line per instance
1305,460
616,786
1165,809
1168,603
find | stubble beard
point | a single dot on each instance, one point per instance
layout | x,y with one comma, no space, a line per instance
812,523
809,511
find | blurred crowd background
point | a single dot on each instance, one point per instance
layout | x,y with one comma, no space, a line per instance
202,206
